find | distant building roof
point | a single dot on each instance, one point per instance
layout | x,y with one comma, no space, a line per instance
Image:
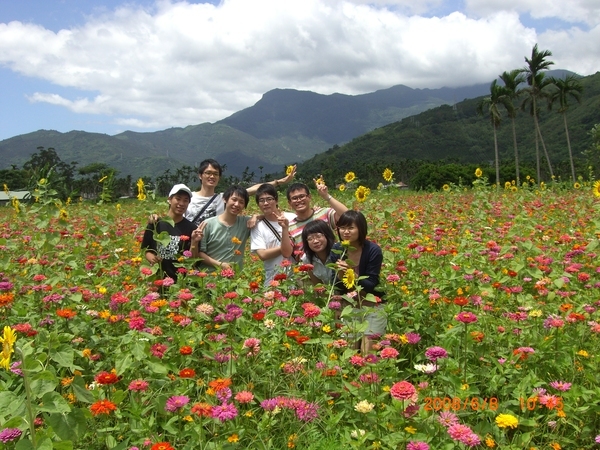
19,195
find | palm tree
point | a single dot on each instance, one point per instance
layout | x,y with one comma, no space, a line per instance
512,80
534,76
497,97
565,88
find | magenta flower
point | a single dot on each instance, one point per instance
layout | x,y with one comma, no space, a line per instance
435,353
466,317
417,445
224,412
9,434
176,402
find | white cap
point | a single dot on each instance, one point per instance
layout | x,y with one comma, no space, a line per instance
180,188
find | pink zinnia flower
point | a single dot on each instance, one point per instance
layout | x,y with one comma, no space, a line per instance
138,385
466,317
244,396
414,445
403,390
447,419
176,402
435,353
389,353
561,385
458,432
311,310
224,412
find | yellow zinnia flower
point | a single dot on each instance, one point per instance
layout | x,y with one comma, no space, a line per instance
349,279
350,176
507,421
7,340
388,175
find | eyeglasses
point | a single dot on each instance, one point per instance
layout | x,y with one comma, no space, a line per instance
210,173
315,237
346,229
298,198
266,200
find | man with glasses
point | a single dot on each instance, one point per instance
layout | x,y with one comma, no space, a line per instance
206,203
270,237
298,195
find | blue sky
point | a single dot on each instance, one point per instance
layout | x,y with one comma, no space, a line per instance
110,65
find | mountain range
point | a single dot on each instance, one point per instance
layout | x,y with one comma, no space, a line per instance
283,127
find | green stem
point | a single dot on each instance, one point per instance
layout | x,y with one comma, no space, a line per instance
28,404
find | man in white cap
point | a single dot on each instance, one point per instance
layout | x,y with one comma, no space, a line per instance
184,235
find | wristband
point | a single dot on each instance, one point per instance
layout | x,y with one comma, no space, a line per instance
329,198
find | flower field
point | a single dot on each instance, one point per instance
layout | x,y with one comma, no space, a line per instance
492,299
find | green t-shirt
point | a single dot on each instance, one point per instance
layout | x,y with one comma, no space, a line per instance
225,243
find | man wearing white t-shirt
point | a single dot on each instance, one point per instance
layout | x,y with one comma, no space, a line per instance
270,239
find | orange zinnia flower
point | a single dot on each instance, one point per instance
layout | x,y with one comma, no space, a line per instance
162,446
66,313
103,407
220,383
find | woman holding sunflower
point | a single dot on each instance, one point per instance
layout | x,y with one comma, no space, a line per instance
358,263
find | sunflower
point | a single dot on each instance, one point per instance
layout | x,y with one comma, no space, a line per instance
577,185
507,185
349,279
411,215
362,193
350,176
597,189
7,340
141,189
388,175
289,170
342,187
446,187
478,172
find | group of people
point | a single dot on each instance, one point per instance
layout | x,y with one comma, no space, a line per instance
212,227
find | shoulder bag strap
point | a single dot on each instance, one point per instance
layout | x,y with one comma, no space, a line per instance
275,232
206,205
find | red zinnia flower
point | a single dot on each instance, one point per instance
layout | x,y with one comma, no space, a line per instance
258,316
187,373
106,378
186,350
461,301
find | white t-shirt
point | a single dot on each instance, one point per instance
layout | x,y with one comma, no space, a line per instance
263,238
216,207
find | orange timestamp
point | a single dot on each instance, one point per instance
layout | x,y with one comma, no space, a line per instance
459,404
532,403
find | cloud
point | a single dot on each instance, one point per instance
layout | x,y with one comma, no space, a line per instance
574,11
178,64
